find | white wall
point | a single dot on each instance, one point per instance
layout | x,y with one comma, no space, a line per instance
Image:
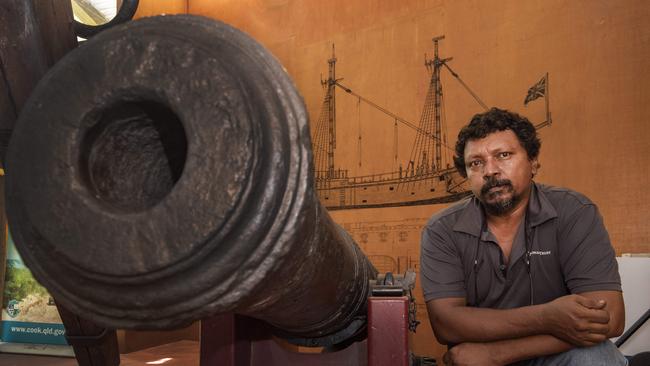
635,278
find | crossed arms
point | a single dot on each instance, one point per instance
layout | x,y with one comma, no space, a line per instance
497,337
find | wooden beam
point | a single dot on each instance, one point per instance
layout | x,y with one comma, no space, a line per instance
55,21
34,35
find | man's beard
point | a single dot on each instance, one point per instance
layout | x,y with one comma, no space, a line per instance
498,207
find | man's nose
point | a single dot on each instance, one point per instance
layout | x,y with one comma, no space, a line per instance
491,168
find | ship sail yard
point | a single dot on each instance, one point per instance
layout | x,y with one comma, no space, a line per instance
428,177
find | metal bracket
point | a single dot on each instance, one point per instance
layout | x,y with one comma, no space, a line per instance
391,285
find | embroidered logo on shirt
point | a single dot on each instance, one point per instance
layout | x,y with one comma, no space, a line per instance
539,252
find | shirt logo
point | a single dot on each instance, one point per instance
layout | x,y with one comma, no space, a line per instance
539,252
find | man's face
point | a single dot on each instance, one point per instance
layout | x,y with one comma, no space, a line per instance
499,171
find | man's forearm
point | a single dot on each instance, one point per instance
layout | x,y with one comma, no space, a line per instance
576,319
506,351
458,324
513,350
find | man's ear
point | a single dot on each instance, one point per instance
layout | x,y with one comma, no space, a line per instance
535,166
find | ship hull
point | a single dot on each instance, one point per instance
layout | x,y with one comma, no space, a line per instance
389,190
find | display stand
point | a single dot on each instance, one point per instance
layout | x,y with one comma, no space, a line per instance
235,340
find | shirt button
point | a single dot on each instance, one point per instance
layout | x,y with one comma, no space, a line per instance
502,267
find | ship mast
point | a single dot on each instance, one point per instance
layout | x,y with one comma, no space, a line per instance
324,138
437,63
331,120
426,156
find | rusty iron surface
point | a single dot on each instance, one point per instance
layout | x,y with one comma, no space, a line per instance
161,173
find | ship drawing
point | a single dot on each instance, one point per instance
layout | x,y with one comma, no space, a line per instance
429,176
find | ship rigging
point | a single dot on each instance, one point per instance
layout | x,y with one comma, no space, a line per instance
428,177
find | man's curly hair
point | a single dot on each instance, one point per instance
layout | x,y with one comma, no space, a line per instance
492,121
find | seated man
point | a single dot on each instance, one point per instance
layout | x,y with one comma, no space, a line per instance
519,271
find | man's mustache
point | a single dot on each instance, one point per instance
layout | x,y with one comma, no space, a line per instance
494,182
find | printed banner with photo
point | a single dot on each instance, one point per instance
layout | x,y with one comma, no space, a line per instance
29,314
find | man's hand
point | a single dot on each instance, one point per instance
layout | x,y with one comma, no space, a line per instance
576,319
475,354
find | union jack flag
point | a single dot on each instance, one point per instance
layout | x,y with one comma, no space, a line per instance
536,91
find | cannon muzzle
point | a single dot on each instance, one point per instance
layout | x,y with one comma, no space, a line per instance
162,172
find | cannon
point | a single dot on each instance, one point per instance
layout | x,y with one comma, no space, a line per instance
168,161
162,173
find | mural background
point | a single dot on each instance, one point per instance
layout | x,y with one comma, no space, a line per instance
596,54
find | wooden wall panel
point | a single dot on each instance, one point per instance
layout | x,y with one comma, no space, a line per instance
595,52
156,7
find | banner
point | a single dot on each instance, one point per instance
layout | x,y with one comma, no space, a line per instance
29,314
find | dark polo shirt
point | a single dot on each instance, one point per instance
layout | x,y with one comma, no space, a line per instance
570,252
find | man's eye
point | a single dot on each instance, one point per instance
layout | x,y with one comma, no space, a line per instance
475,163
504,154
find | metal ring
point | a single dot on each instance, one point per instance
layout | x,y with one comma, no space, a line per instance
124,14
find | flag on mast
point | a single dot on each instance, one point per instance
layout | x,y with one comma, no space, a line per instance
536,91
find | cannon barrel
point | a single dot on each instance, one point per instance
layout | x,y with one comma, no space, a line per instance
162,172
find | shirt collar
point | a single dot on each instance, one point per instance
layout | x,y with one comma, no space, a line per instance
540,211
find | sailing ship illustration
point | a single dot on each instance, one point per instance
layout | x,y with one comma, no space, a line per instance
429,176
